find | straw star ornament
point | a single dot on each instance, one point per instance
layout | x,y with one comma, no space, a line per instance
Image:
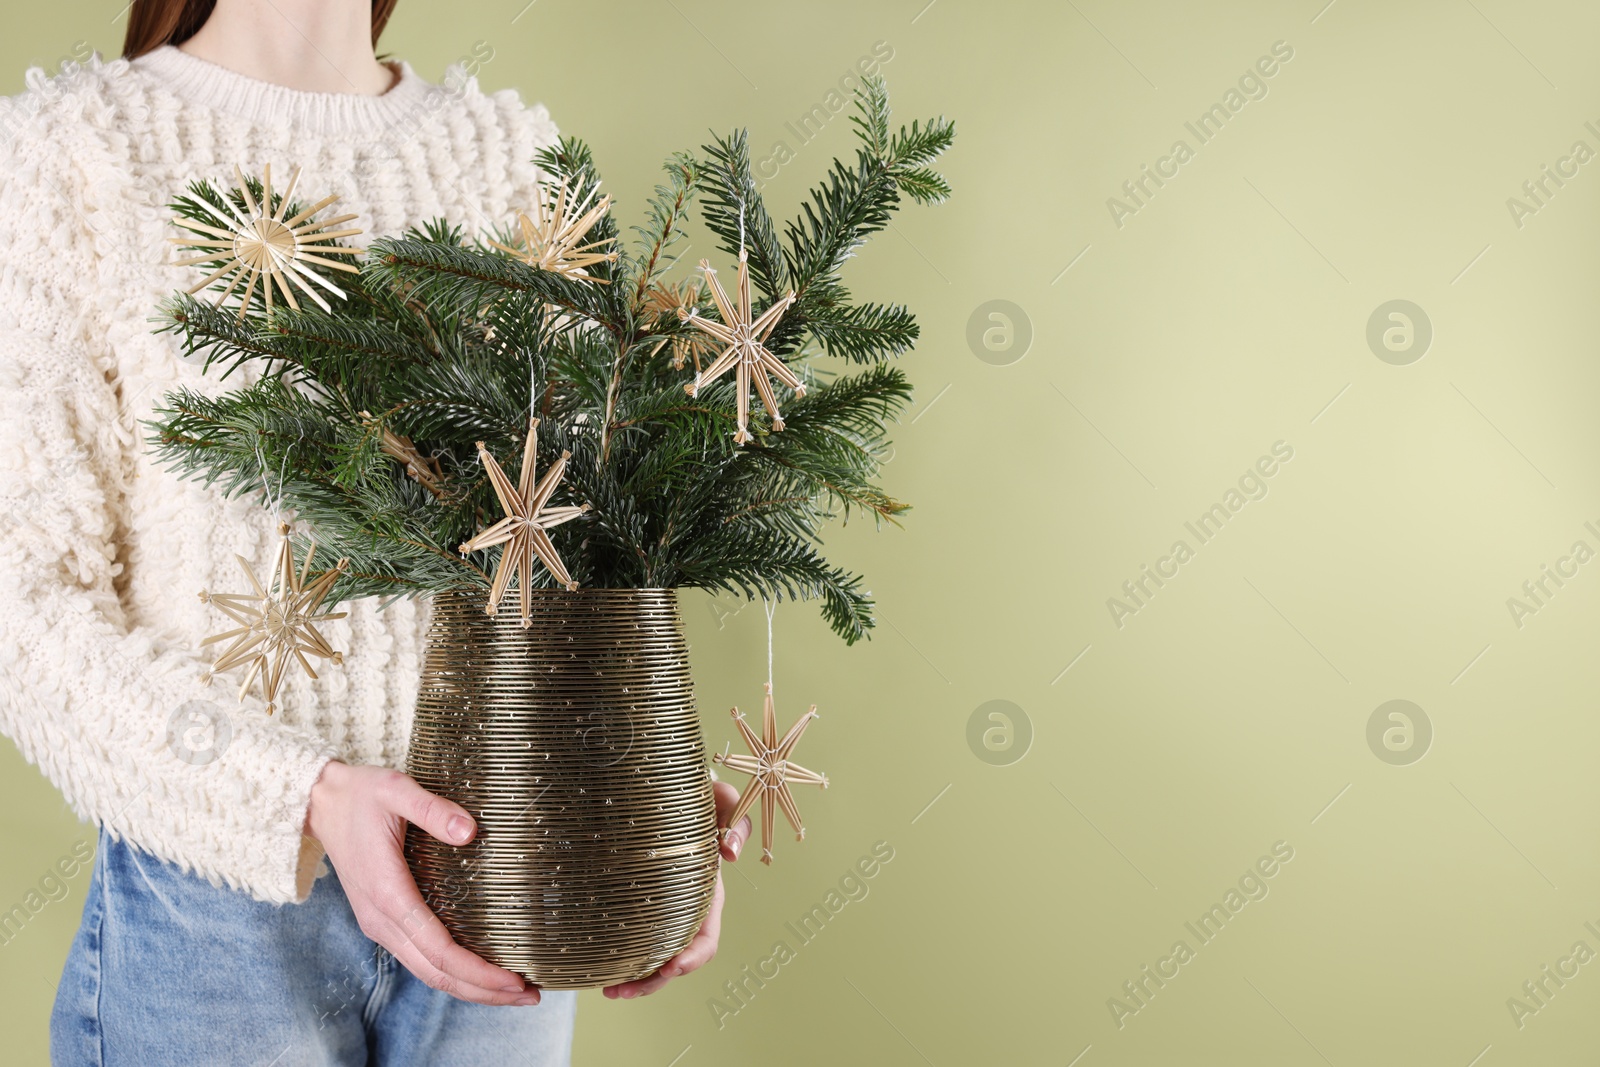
277,621
746,353
553,239
524,530
771,771
259,245
667,299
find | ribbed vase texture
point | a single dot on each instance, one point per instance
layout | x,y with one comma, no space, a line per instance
576,745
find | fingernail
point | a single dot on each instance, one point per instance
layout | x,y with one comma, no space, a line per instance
460,828
528,1000
737,845
515,987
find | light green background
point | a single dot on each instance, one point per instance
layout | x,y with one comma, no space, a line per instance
1222,317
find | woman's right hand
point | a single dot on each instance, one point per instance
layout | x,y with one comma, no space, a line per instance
359,815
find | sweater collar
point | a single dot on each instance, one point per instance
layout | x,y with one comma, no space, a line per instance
205,83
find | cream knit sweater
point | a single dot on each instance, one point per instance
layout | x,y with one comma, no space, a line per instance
102,552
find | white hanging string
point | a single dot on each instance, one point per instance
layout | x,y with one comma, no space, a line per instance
274,501
769,605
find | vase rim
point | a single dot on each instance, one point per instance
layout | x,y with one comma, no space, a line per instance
552,591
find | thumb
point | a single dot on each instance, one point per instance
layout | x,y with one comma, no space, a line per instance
442,819
727,799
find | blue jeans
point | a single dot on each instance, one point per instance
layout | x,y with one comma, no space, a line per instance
168,969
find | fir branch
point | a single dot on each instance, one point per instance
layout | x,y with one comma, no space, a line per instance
734,211
758,563
856,202
442,276
923,184
863,333
668,210
364,420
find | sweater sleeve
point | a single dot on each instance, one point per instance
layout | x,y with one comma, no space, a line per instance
111,712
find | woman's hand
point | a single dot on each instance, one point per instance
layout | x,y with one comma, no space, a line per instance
698,952
359,814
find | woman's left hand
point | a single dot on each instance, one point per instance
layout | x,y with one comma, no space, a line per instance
698,952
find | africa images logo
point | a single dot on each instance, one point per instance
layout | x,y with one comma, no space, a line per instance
1252,85
1252,485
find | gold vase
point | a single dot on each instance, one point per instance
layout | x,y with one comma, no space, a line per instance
576,745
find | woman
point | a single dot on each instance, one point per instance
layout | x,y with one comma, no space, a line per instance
208,936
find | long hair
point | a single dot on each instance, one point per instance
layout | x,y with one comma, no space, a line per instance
153,23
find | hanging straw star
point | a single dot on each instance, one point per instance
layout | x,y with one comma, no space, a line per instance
277,621
523,531
259,244
554,239
746,353
771,772
665,298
